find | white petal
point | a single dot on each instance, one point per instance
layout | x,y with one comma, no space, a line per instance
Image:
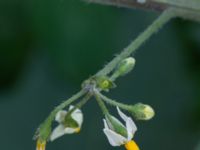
114,138
60,116
130,125
70,130
71,107
76,110
131,128
110,126
78,117
105,124
57,132
122,115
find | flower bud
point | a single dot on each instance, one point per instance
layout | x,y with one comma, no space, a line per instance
125,66
142,112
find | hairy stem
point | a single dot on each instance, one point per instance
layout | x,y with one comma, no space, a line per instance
112,102
102,105
153,28
80,104
148,5
67,102
186,9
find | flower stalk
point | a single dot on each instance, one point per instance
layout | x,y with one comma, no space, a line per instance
102,106
113,102
81,103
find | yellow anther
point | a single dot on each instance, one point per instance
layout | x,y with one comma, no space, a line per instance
41,145
77,130
131,145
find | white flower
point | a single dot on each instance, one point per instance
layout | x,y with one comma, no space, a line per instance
116,139
61,129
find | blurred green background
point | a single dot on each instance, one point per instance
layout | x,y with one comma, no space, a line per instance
47,47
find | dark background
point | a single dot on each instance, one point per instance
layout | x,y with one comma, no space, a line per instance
48,47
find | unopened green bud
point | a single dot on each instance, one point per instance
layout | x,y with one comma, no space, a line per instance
142,111
125,66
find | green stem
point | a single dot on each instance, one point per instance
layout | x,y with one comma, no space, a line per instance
114,76
153,28
188,14
80,104
84,100
66,103
112,102
102,105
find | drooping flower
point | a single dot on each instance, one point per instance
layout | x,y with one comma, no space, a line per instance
119,134
68,124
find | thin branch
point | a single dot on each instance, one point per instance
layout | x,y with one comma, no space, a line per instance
187,9
153,28
149,5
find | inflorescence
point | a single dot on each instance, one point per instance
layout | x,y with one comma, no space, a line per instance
70,121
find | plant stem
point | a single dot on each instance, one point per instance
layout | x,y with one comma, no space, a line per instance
102,105
81,103
188,14
112,102
114,76
67,102
150,5
84,100
153,28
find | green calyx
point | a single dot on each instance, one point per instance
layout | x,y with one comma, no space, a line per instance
100,82
70,122
115,125
104,83
44,131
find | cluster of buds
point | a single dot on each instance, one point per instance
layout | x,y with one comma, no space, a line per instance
70,121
